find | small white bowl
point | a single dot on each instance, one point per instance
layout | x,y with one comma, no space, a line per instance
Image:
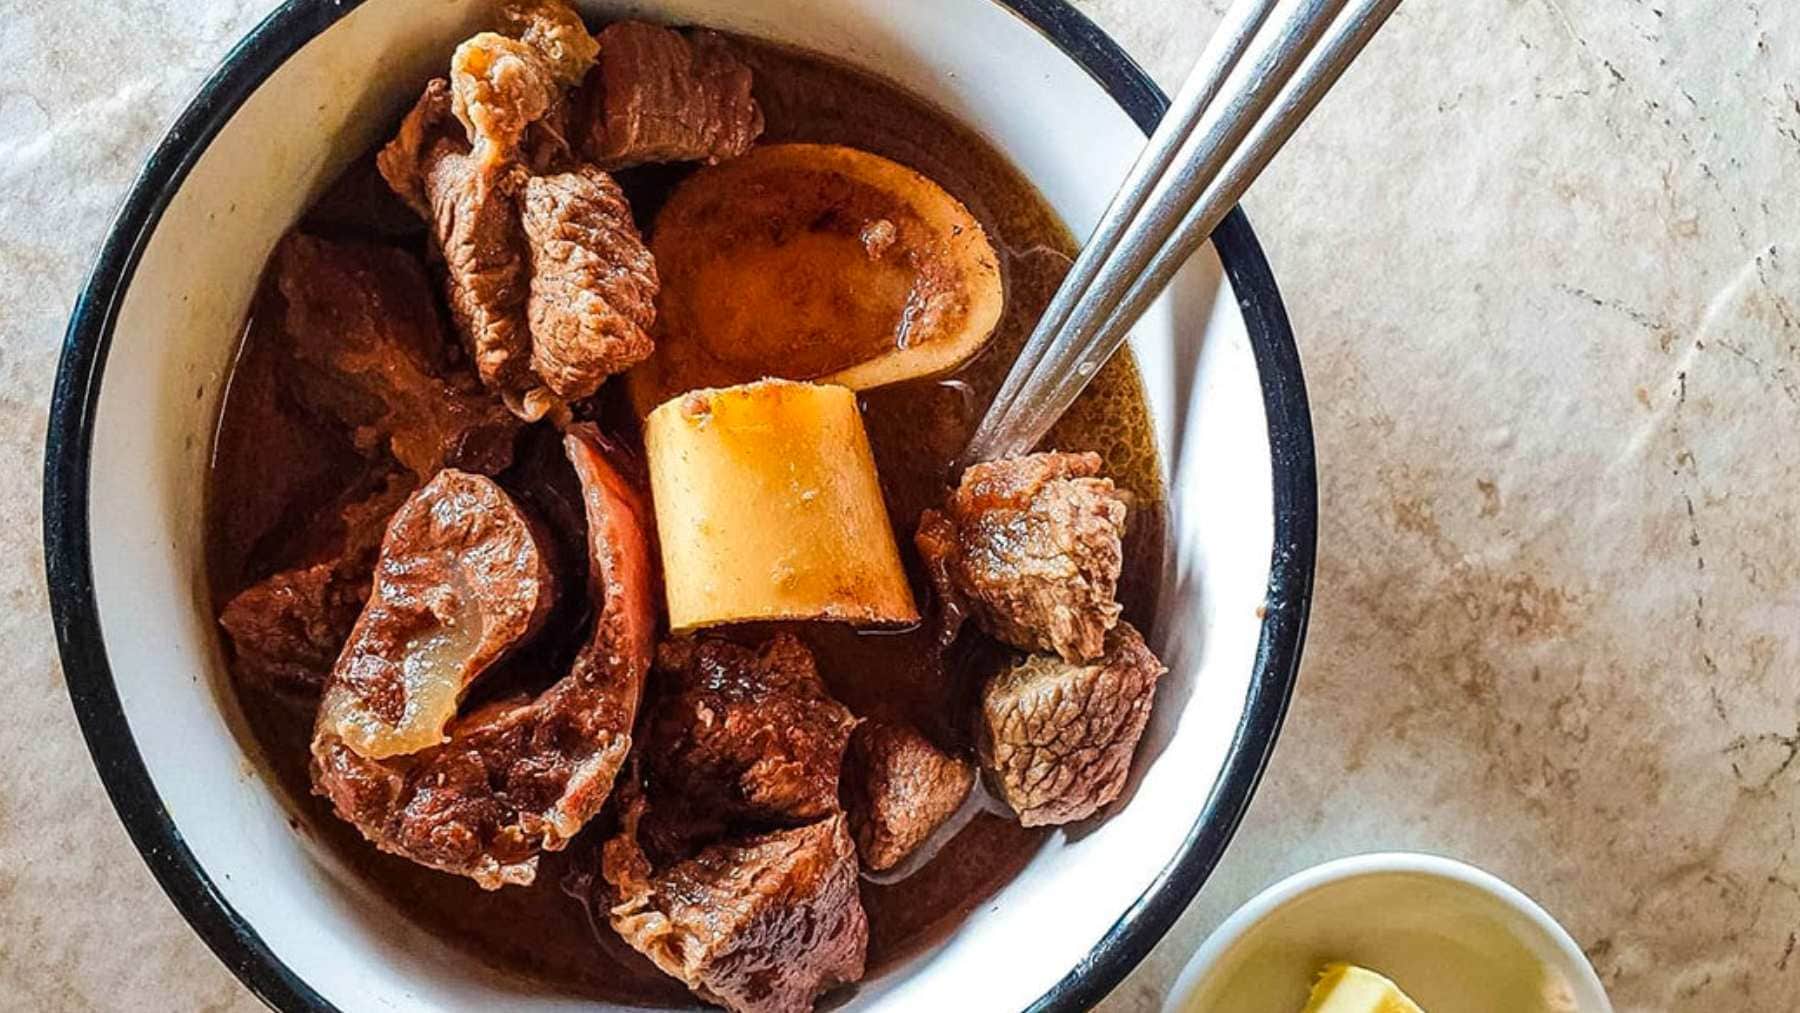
1454,938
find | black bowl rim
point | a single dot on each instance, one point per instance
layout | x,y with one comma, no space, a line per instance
68,563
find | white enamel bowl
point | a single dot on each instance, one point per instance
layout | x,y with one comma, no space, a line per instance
1456,939
148,352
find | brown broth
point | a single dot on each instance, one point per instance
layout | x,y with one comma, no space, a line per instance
267,477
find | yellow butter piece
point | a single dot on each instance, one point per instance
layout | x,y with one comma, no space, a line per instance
1345,988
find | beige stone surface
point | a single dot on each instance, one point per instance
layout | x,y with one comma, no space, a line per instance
1541,256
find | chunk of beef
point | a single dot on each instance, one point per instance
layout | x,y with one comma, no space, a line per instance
287,629
743,734
1056,737
460,581
475,219
899,788
361,323
556,32
759,922
658,95
544,273
405,160
1031,548
521,776
759,925
499,88
593,282
474,214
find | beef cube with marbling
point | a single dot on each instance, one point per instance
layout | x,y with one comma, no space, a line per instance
659,95
743,734
899,789
759,924
1057,737
1031,548
593,282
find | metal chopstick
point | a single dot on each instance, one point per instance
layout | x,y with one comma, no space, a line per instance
1209,176
1209,74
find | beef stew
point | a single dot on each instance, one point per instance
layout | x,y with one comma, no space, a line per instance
547,773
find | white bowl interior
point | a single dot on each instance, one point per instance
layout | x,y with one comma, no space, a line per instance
177,330
1452,937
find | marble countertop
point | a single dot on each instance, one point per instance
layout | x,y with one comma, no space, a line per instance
1541,258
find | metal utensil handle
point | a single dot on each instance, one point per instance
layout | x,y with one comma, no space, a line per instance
1207,179
1203,83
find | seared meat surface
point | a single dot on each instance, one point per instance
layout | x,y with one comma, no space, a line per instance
763,924
593,282
899,788
742,734
362,326
287,629
658,95
1031,548
519,776
1057,737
